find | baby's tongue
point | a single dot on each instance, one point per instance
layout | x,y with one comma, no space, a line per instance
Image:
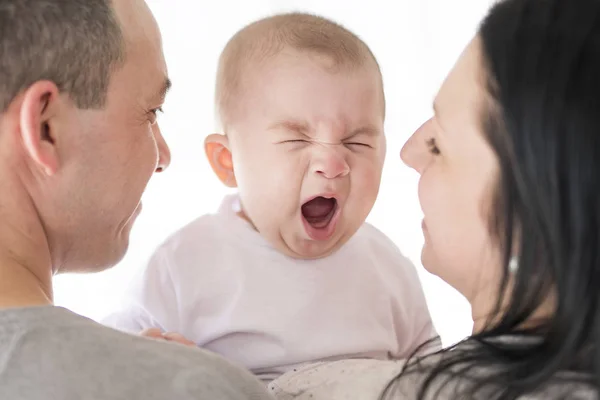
318,208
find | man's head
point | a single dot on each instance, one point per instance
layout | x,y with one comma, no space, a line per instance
80,84
301,104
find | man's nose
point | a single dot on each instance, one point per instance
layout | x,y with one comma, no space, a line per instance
164,154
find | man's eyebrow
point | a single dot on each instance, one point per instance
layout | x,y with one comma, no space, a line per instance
162,93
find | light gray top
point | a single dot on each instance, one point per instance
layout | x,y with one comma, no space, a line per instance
362,379
49,353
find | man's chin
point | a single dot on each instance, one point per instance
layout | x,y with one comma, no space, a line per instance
93,265
114,254
133,217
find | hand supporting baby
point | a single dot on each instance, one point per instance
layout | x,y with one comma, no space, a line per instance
156,333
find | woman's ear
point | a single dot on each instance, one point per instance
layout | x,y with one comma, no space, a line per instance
217,150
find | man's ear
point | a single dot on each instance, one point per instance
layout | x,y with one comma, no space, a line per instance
39,108
217,150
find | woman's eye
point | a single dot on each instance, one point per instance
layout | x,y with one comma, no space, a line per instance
433,149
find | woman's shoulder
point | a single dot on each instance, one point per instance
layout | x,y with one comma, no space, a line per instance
351,379
456,374
362,379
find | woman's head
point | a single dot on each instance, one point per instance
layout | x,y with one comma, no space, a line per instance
459,171
510,170
510,163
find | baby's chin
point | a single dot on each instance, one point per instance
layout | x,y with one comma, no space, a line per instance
304,249
308,255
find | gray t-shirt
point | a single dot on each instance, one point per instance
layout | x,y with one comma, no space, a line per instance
49,353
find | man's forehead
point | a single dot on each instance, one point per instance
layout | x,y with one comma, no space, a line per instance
131,12
136,21
145,63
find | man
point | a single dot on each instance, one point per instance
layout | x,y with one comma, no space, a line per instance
81,82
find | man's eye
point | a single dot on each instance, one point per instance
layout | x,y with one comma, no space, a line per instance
154,114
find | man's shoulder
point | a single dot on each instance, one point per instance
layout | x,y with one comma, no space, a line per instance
80,356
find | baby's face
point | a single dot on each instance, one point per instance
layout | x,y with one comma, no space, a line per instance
308,150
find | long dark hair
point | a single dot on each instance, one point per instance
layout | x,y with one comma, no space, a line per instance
542,59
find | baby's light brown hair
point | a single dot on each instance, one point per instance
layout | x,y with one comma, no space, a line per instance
267,37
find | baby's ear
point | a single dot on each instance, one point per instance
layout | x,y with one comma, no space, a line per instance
217,150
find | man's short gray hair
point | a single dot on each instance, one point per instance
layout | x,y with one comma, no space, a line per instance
74,43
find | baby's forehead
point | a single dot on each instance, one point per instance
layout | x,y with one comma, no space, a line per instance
290,47
296,65
289,64
303,85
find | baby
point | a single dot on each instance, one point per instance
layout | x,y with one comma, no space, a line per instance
287,272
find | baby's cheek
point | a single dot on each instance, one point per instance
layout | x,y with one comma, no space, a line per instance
366,171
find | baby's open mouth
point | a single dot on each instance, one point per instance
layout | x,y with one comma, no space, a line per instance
319,211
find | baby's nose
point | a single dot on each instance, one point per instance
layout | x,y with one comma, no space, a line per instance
331,164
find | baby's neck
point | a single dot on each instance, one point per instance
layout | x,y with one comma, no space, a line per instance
243,216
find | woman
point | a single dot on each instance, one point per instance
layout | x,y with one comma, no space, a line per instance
510,190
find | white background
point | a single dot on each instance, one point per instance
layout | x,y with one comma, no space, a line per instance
416,43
